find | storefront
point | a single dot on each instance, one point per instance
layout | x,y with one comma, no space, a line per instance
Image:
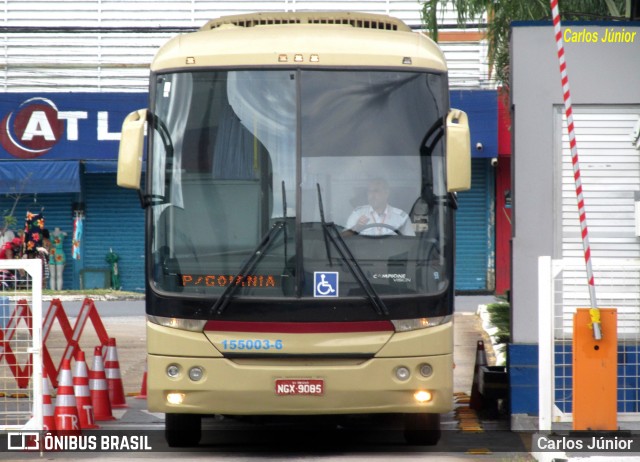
475,223
58,155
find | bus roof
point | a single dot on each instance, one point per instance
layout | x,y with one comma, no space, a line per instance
326,39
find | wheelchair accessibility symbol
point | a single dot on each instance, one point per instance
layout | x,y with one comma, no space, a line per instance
325,284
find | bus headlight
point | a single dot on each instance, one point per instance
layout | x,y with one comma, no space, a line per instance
175,398
405,325
173,370
423,396
426,370
193,325
196,373
403,373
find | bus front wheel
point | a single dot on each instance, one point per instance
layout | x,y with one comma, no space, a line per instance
182,430
422,429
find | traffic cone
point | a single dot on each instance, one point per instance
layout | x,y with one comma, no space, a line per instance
48,417
99,389
114,380
481,360
66,412
82,392
143,388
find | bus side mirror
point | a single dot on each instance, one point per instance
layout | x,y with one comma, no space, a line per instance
458,151
131,150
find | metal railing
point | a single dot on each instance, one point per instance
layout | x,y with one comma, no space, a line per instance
562,288
21,344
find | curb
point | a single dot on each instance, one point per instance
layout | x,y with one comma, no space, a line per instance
128,296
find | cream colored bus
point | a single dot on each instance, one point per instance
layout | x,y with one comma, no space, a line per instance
301,171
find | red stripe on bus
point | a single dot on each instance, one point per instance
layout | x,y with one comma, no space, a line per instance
299,327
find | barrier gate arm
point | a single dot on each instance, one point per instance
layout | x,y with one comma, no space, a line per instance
566,93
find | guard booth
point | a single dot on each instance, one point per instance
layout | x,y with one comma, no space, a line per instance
606,109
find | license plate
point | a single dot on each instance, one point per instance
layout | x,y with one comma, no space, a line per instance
286,387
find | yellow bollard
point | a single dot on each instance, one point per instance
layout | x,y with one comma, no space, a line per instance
595,370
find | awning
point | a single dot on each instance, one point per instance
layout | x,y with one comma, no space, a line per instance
100,166
35,176
104,166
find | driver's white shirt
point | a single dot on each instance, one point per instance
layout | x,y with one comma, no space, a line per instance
392,216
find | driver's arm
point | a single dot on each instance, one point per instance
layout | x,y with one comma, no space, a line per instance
358,219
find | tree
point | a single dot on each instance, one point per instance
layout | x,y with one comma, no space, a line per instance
500,14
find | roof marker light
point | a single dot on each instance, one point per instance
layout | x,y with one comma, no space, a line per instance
407,60
282,58
298,58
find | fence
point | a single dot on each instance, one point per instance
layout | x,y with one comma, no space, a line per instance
20,344
563,288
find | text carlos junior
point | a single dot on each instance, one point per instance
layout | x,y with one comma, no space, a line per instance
582,443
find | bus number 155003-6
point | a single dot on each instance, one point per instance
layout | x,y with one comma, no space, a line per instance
250,344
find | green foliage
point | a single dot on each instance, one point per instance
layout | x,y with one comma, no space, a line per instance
500,317
501,13
9,220
429,15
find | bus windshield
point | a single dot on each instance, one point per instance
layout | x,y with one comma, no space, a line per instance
288,184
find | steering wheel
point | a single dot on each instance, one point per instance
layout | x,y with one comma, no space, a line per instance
379,225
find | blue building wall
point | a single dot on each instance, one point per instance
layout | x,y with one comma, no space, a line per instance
523,377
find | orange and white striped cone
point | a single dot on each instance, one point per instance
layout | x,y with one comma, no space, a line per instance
99,389
48,417
143,388
114,380
82,392
66,412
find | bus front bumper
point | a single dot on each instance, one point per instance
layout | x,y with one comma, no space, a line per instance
300,386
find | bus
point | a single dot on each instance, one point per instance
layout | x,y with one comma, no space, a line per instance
300,184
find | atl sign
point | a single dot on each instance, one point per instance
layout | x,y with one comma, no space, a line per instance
64,125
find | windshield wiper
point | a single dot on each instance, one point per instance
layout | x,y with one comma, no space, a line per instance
256,255
331,232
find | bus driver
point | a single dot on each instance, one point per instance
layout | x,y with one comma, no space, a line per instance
378,218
